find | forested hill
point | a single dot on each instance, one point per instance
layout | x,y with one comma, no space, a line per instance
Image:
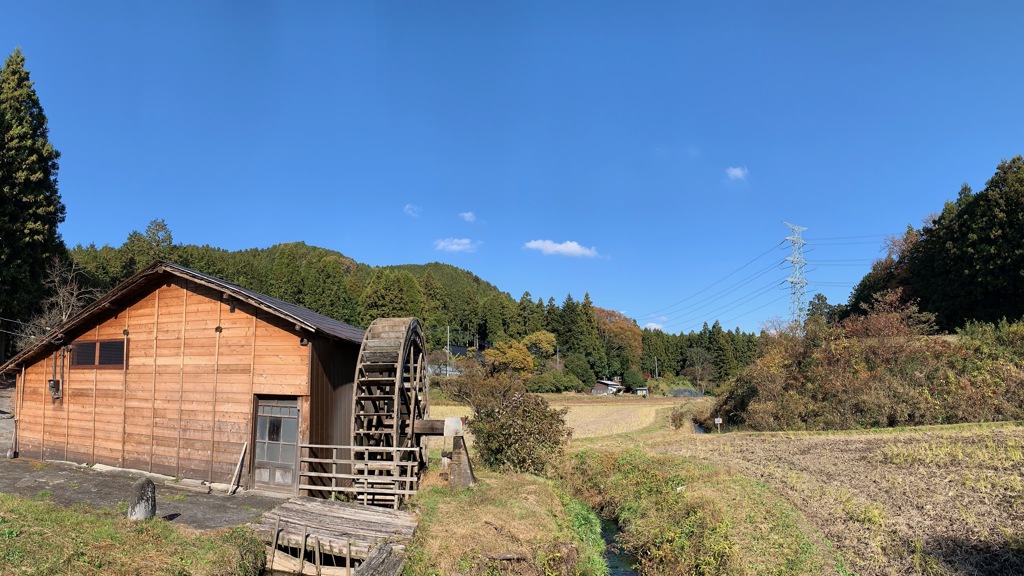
318,278
453,304
967,262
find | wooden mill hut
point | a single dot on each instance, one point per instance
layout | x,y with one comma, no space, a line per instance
174,371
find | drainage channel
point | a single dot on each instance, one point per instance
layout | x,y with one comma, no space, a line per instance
620,562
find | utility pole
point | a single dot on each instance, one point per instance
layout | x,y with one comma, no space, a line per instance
797,280
448,350
655,365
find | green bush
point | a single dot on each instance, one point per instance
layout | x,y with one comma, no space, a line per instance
633,379
514,430
577,365
547,382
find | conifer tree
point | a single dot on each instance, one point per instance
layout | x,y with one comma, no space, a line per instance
30,204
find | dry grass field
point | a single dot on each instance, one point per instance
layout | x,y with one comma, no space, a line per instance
600,416
939,500
931,501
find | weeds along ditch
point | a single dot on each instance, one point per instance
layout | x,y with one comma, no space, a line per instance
665,529
677,516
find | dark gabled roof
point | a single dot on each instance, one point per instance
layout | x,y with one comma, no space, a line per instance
302,317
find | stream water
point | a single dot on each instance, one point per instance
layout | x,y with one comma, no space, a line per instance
620,562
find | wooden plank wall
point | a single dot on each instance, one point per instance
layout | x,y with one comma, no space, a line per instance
183,405
331,391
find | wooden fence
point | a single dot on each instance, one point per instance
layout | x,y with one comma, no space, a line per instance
373,475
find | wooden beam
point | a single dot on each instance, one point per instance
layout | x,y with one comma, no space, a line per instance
95,336
152,402
42,407
124,386
249,481
213,405
429,428
65,386
181,375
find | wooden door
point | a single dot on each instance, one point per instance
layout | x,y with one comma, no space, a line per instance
276,444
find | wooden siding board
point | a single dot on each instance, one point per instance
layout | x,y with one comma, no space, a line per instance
184,402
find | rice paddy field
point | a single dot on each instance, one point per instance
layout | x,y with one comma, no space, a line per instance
597,416
938,500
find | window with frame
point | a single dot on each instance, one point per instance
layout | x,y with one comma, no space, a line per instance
99,354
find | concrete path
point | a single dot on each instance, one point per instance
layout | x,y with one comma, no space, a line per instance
69,484
6,415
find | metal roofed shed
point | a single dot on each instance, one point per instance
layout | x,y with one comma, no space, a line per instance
607,387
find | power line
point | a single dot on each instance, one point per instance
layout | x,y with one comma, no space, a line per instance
841,243
882,236
712,285
755,309
16,321
748,297
704,302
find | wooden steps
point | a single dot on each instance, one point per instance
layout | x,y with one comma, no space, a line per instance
344,530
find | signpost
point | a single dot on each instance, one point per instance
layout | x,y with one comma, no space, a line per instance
718,422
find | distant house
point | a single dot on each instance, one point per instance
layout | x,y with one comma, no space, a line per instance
642,391
175,371
605,387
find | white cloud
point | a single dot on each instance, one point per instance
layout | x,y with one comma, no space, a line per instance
736,172
412,210
467,216
655,326
456,245
567,248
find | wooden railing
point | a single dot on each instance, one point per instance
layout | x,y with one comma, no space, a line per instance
370,475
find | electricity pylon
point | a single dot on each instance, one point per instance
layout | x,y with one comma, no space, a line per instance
797,280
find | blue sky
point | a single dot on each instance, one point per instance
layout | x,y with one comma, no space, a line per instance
646,153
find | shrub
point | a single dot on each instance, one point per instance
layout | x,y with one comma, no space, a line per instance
880,370
554,381
633,379
514,430
680,417
577,365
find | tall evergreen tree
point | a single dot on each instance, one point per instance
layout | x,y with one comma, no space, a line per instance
391,295
591,342
30,204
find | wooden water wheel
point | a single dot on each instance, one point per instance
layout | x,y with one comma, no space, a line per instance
390,400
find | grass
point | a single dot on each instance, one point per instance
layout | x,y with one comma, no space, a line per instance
38,539
988,454
681,516
937,499
593,420
466,531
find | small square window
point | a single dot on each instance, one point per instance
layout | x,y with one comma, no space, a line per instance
111,353
84,354
102,354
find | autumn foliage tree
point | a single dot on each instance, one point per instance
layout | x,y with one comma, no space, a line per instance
879,369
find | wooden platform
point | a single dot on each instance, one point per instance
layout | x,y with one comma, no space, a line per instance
323,527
